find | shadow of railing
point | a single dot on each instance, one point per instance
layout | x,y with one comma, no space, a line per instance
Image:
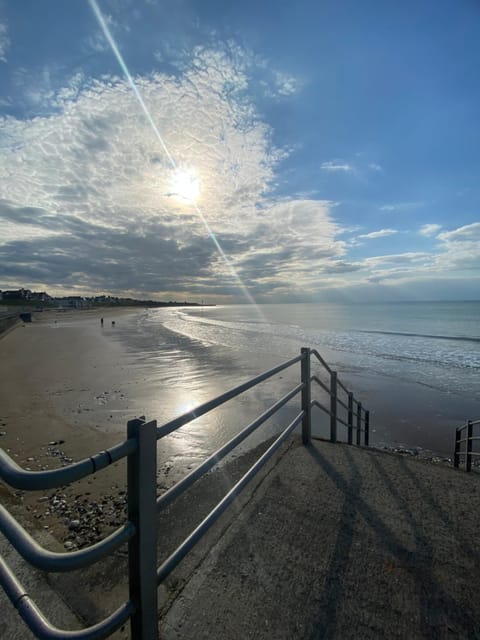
432,597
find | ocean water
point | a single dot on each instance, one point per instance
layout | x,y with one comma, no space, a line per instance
415,366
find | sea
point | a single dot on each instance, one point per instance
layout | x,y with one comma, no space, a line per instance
414,365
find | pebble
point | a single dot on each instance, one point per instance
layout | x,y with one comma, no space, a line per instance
87,521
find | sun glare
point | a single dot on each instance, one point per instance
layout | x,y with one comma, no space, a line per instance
184,184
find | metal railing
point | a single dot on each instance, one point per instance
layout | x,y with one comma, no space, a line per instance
140,531
467,440
342,403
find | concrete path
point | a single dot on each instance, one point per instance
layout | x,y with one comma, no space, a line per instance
332,542
49,600
341,542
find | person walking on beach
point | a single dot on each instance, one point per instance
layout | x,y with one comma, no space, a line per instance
101,321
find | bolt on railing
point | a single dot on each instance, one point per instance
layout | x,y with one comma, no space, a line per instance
140,531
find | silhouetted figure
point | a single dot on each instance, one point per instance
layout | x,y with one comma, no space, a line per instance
113,323
101,321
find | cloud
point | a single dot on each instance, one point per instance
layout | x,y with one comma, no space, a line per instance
335,165
401,206
429,229
467,233
375,167
4,42
285,84
401,266
382,233
460,248
407,258
86,192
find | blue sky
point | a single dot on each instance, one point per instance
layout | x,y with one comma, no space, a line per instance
290,151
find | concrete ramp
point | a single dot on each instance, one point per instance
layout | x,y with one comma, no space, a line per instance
341,542
48,599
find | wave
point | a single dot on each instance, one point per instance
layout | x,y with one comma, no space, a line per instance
422,335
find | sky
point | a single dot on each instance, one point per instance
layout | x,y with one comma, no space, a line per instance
241,151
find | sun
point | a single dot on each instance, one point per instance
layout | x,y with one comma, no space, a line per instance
184,184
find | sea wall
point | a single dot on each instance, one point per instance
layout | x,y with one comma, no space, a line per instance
7,321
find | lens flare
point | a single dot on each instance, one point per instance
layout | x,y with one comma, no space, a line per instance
106,31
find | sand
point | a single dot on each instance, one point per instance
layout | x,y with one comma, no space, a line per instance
64,397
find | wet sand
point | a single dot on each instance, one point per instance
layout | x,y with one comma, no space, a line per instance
63,398
69,386
68,389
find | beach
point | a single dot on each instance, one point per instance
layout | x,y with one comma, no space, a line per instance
60,398
70,384
68,389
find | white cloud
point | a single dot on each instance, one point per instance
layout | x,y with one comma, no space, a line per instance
89,183
460,248
467,233
286,84
402,206
382,233
375,167
96,42
405,259
457,256
4,42
335,165
429,229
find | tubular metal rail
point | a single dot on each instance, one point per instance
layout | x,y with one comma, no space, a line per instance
140,531
468,439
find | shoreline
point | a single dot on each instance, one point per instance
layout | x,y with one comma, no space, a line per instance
48,368
69,388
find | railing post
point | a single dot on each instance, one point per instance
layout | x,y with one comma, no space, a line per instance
367,427
359,422
333,406
350,417
469,443
456,453
306,396
142,512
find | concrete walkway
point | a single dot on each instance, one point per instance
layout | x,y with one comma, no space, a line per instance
332,542
341,542
38,586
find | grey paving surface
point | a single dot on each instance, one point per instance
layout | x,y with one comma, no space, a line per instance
332,542
50,602
340,542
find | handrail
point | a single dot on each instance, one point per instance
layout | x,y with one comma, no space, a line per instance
468,453
171,562
166,498
19,478
465,426
39,625
143,504
315,403
46,560
340,383
335,402
198,411
320,383
319,357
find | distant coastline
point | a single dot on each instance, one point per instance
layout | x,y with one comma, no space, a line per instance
25,299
